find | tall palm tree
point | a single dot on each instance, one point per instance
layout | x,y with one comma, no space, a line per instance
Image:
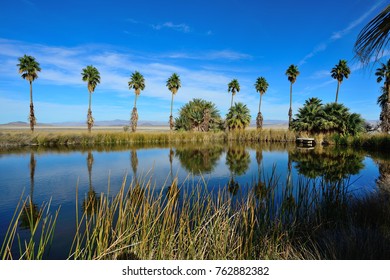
29,67
233,87
383,73
173,84
137,82
339,72
92,76
292,74
261,86
374,37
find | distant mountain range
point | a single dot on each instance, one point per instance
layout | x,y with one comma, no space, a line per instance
121,123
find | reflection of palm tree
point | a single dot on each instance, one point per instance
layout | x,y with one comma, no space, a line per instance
260,188
237,160
332,165
198,160
31,210
90,203
171,154
134,164
383,180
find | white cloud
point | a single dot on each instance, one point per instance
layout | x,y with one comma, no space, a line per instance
177,27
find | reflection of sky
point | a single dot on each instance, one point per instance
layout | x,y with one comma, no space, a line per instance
57,175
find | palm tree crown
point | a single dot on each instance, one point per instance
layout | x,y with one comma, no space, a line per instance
174,83
374,37
292,73
137,82
339,72
92,76
28,67
383,73
233,87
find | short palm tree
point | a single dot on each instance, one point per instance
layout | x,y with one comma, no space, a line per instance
233,87
92,76
261,86
374,37
383,73
173,84
29,67
339,72
137,82
238,117
292,74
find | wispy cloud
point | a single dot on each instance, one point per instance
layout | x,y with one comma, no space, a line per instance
211,55
340,34
177,27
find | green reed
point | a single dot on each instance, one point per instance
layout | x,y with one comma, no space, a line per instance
269,219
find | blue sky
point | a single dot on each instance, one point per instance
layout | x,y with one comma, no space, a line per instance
208,43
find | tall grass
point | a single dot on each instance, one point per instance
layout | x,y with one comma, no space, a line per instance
307,219
9,139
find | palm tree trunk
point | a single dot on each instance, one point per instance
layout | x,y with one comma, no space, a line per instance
290,110
231,104
260,102
90,101
135,101
337,91
171,104
32,115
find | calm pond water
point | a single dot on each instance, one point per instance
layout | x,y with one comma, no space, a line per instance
54,174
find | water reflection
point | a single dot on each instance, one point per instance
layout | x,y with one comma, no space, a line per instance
91,201
30,213
199,159
331,164
237,161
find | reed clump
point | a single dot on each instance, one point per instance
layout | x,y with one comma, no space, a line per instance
305,219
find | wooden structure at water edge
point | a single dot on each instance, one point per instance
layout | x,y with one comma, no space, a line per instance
305,142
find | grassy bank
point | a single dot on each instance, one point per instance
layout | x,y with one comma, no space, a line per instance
14,138
305,220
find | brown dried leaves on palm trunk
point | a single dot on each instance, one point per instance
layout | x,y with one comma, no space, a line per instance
32,118
134,119
90,120
259,121
385,118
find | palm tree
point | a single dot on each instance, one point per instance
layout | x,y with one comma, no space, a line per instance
339,72
238,117
374,37
292,74
137,82
29,67
92,76
383,73
233,87
198,114
173,84
261,86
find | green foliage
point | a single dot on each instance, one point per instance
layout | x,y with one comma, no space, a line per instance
292,73
92,76
137,82
173,83
314,117
340,71
198,114
238,117
374,37
28,67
